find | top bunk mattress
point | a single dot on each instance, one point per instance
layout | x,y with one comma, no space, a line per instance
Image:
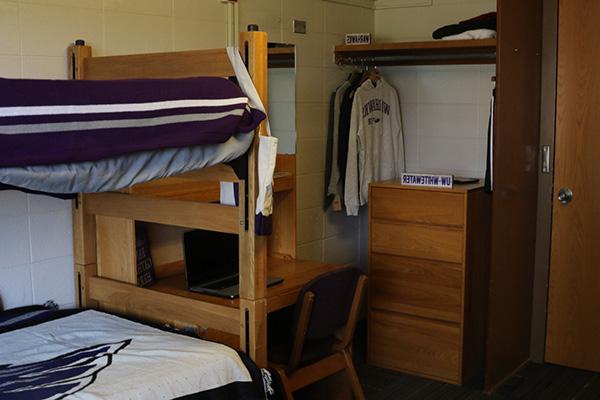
66,137
45,122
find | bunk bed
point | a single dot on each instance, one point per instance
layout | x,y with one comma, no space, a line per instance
106,214
104,222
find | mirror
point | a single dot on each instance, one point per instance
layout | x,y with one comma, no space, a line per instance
282,95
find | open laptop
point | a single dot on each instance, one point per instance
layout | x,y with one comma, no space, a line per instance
211,263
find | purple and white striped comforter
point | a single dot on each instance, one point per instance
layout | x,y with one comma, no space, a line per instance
45,122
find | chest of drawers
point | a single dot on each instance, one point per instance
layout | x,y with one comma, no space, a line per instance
428,254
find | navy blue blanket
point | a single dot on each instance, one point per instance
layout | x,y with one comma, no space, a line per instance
45,122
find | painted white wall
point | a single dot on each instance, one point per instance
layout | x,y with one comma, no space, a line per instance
445,109
445,112
36,256
36,262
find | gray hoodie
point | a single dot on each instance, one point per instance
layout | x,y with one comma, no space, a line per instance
376,147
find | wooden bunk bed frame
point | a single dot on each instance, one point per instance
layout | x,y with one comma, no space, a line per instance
104,223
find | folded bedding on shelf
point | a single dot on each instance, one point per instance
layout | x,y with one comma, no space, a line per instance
68,121
483,21
93,355
473,35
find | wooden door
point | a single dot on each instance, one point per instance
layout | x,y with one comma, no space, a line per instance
573,333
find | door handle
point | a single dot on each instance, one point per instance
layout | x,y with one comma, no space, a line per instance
565,195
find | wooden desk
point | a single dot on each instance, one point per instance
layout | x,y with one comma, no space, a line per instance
295,274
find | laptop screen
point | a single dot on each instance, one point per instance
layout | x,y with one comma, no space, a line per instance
209,256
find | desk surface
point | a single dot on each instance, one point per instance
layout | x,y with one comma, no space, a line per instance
295,274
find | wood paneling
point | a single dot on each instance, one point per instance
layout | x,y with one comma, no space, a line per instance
77,56
427,291
253,320
414,345
421,241
82,275
214,217
283,240
545,182
422,53
116,249
419,206
253,248
475,282
514,204
418,287
180,64
162,307
84,233
574,295
204,185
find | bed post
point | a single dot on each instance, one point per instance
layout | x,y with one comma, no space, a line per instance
84,226
253,248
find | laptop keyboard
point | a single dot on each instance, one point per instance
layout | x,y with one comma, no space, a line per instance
222,284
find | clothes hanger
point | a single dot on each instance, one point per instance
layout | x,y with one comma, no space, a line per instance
366,74
375,75
354,74
372,73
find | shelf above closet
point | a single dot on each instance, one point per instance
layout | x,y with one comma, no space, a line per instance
481,51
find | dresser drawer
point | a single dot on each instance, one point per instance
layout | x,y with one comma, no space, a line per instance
428,207
415,345
423,288
421,241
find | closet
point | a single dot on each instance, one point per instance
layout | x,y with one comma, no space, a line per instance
517,54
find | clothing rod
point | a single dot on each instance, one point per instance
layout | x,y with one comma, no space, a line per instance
472,58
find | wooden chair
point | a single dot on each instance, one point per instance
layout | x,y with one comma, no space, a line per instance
323,326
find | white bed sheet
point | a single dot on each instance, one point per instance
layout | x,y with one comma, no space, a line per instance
142,363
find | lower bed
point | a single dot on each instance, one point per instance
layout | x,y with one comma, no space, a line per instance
87,354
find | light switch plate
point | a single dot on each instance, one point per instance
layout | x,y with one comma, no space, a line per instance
299,26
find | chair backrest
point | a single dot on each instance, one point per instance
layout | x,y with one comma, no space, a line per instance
334,292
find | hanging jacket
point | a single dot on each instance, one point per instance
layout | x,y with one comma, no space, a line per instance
333,192
346,102
375,147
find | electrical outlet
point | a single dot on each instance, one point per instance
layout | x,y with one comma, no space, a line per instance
299,26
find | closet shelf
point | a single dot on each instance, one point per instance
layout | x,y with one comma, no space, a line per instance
481,51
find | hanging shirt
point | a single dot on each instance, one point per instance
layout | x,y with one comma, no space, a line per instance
332,191
346,102
375,147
